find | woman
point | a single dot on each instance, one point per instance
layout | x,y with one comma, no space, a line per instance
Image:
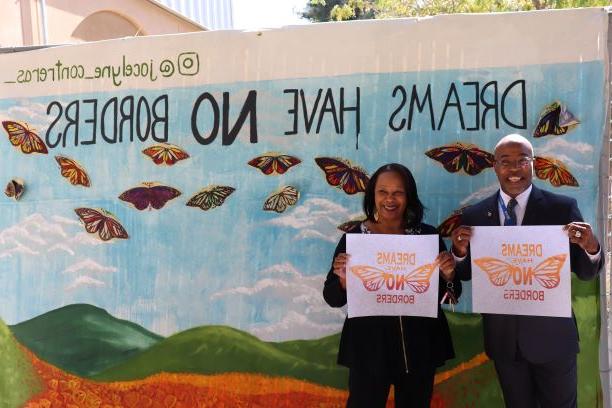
384,350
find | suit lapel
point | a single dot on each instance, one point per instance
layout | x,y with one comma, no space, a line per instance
533,208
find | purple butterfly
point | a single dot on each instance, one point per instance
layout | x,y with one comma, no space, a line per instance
149,195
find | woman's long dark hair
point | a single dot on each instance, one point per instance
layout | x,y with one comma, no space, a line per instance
413,215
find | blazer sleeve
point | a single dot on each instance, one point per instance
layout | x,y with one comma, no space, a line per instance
442,284
333,293
580,262
463,269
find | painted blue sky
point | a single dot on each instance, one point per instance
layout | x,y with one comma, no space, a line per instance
236,264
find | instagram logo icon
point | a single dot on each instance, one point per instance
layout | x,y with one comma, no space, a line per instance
188,63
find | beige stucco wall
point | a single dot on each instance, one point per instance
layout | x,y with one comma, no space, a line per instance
119,18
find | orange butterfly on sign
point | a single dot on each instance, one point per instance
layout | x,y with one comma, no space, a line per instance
101,222
72,171
499,272
165,153
373,278
21,136
555,171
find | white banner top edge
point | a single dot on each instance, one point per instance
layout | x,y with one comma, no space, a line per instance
445,42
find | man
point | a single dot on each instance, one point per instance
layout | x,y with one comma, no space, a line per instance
534,356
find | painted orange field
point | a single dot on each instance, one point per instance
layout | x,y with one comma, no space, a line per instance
191,390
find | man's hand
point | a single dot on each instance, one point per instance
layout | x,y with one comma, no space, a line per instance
581,233
461,240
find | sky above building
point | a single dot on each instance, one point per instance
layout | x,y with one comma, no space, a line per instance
249,14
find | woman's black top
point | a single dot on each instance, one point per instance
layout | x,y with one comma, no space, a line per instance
376,343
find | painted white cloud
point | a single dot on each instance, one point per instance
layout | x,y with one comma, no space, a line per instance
34,114
480,194
89,265
291,302
566,152
84,281
37,236
316,218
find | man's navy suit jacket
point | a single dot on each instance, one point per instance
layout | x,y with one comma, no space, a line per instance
539,339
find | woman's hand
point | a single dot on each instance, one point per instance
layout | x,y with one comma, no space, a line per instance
446,263
339,266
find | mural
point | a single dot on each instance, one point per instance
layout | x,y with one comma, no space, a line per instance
172,205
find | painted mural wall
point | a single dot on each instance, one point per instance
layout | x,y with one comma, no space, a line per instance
173,202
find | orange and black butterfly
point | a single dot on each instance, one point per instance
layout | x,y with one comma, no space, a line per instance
24,138
555,171
462,156
343,174
447,226
373,278
15,188
165,153
101,222
273,163
210,197
73,171
281,199
555,120
499,272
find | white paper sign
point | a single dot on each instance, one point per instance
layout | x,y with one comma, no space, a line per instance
521,270
392,275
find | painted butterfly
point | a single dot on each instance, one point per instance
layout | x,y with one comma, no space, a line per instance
165,153
73,171
349,225
281,199
556,120
500,272
447,226
15,188
210,197
102,222
553,170
149,195
373,278
343,174
23,137
469,157
273,163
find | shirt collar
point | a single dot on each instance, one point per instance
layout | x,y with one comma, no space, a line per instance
521,199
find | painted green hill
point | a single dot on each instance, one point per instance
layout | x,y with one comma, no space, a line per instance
18,381
220,349
83,339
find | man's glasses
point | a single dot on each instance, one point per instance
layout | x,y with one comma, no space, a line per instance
510,164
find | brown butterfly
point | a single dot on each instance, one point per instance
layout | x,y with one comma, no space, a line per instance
462,156
101,222
273,163
343,174
165,153
281,199
15,188
449,224
555,120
